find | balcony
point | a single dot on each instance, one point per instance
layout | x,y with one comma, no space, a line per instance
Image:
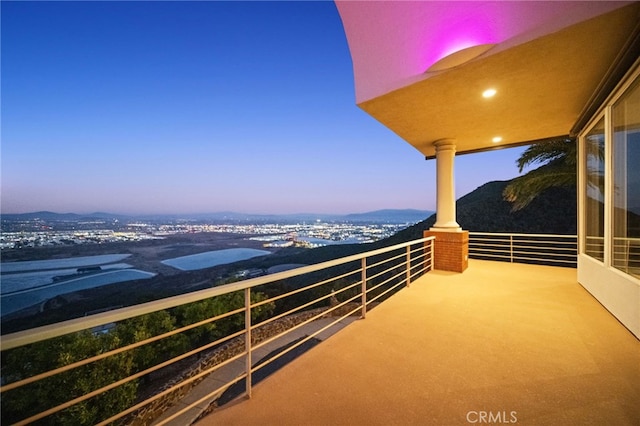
511,341
501,342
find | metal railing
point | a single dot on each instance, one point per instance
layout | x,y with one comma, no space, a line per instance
541,249
625,252
594,247
626,255
76,372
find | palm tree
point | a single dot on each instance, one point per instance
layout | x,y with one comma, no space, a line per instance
558,158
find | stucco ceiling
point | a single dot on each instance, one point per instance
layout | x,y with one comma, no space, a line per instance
543,77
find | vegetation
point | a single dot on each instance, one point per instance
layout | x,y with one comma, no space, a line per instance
558,158
27,361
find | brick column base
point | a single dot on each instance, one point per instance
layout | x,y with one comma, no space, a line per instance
451,250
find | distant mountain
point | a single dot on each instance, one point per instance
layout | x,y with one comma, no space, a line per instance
387,216
390,216
61,217
381,216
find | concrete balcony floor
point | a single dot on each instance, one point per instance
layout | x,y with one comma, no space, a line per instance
498,338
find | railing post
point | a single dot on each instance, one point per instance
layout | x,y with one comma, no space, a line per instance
408,266
247,339
364,287
511,247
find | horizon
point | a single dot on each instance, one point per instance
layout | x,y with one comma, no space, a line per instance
216,213
172,108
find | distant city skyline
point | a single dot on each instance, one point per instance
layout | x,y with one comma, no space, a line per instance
198,107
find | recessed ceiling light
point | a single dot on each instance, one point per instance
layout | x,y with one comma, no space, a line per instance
496,139
489,93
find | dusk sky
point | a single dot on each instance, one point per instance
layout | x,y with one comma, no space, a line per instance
194,107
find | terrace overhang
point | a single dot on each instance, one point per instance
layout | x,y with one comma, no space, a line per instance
420,68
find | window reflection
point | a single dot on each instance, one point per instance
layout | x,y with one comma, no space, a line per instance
594,199
626,181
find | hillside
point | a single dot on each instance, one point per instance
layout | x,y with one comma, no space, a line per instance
484,210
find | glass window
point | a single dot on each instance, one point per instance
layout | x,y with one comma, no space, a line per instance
626,181
594,191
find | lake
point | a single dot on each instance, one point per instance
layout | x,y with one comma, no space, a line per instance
213,258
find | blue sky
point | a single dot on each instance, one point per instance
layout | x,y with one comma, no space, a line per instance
193,107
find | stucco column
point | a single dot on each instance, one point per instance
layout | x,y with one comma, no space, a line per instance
445,191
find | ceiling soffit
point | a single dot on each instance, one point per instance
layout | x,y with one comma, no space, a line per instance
542,86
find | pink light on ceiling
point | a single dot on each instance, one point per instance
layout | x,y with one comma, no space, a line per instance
457,47
393,43
458,26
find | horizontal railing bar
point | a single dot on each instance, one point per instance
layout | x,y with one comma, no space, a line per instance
479,244
474,244
80,363
519,243
199,401
416,253
296,309
526,235
546,260
95,358
302,289
506,250
628,262
551,252
545,244
411,268
59,329
417,249
401,273
416,273
387,291
371,277
497,256
174,388
417,261
87,396
490,240
544,255
422,268
302,324
400,256
302,341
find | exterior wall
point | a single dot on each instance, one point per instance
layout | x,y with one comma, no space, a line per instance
451,250
618,292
